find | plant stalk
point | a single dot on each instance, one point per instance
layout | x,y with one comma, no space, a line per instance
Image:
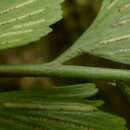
64,71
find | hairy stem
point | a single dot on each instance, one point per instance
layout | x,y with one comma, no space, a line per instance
65,71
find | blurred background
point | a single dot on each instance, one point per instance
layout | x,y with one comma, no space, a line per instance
78,16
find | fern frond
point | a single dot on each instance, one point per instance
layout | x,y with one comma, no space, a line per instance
25,21
108,37
62,108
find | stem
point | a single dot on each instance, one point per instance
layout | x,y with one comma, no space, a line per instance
66,71
68,55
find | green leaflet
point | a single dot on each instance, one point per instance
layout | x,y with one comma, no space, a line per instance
25,21
109,35
125,88
59,108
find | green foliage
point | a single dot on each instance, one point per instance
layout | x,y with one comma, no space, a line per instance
25,21
109,35
125,88
62,108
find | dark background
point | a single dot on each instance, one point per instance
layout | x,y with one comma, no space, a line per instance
78,16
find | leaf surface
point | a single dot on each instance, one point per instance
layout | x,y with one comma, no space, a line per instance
125,88
25,21
108,37
56,109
